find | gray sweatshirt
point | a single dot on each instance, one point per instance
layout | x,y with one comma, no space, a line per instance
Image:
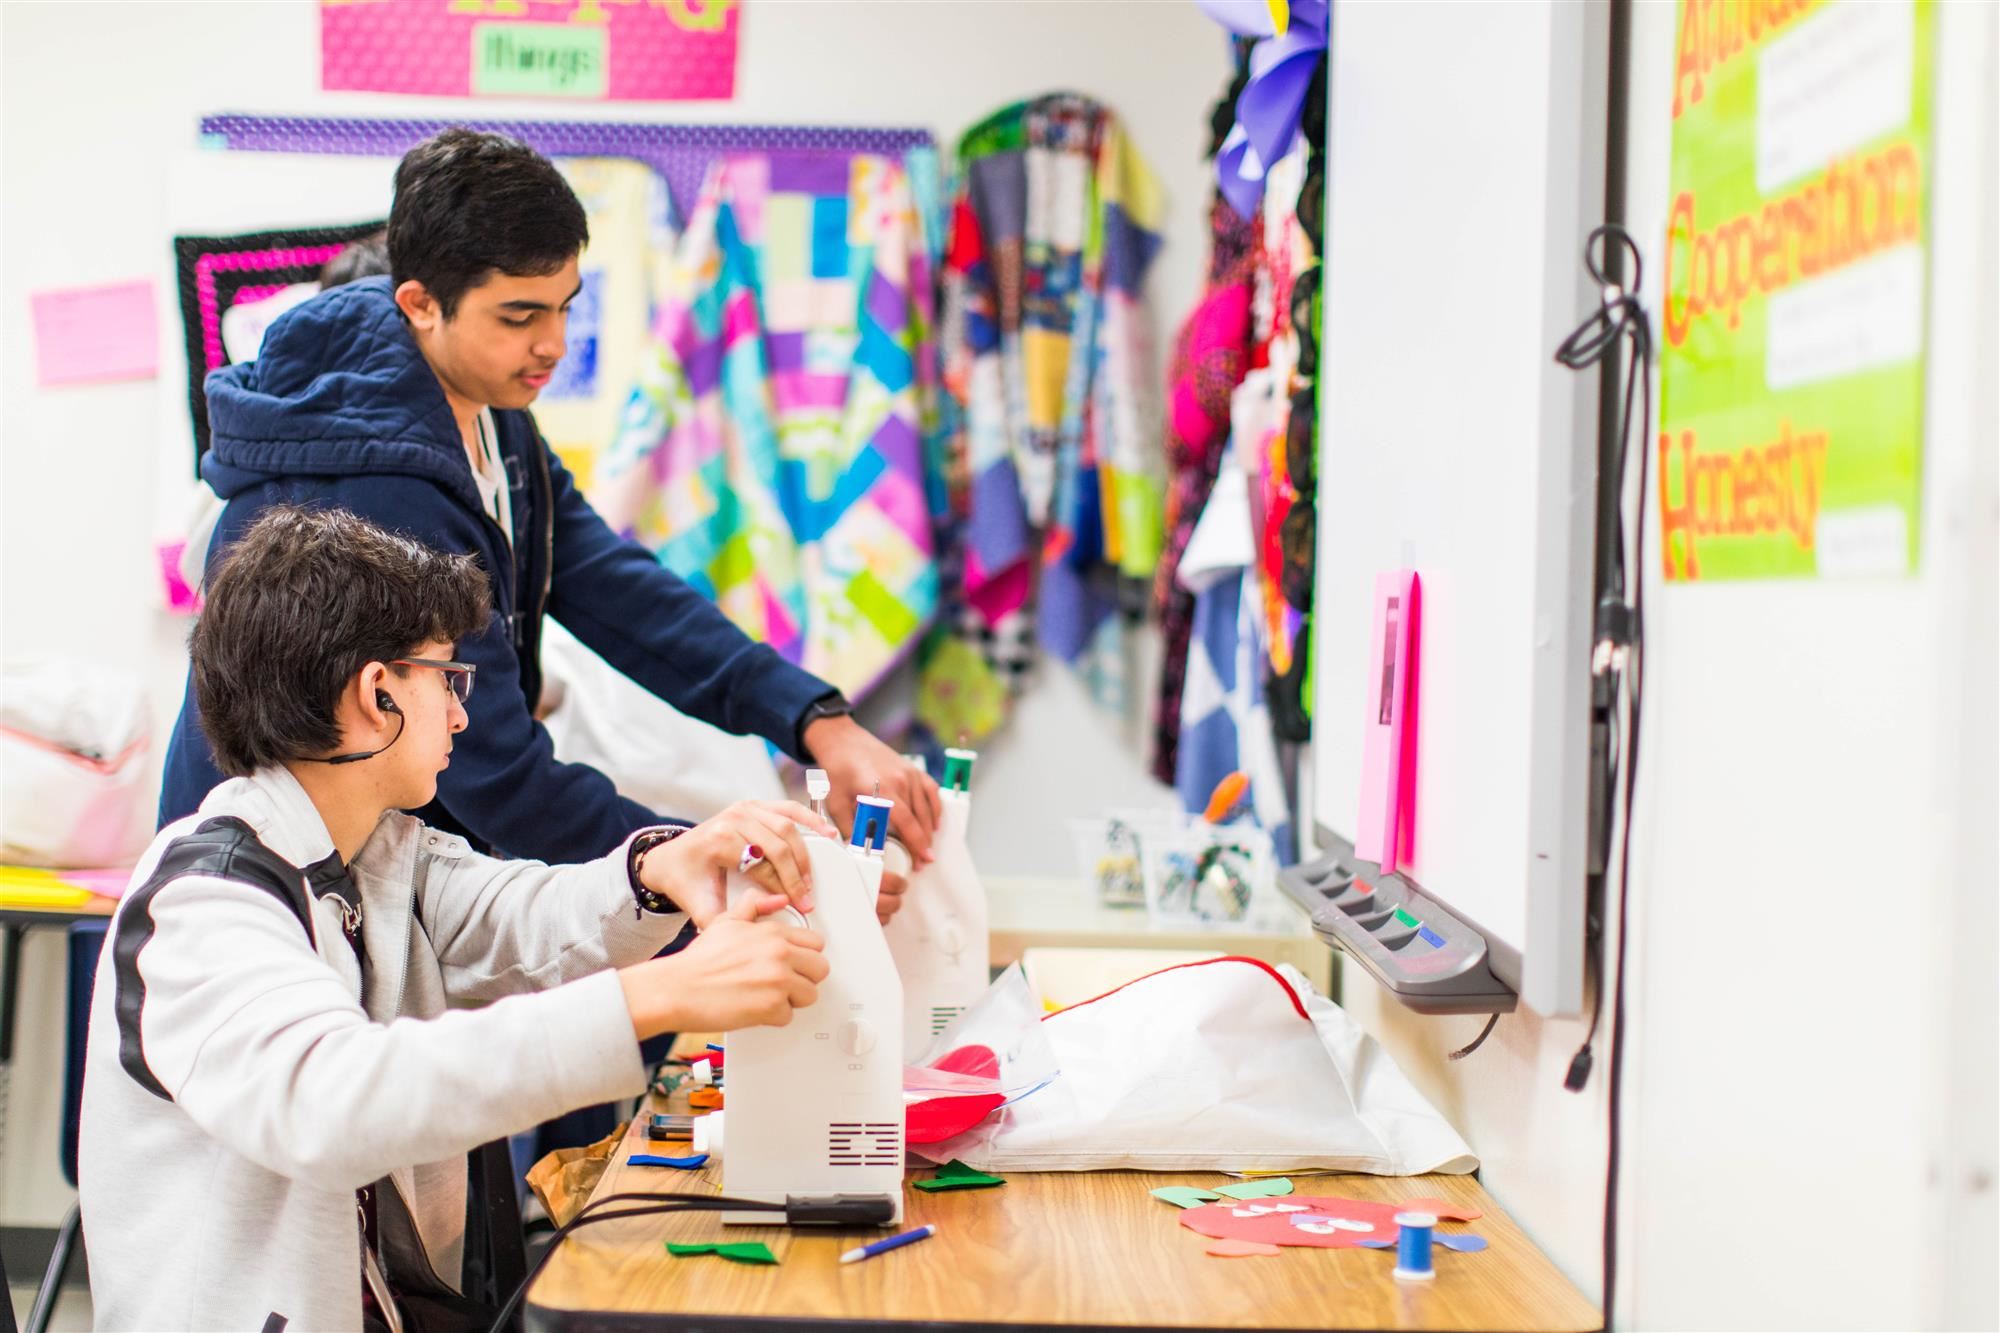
244,1078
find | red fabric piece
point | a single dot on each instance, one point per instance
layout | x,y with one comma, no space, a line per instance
1240,1249
1263,1222
942,1117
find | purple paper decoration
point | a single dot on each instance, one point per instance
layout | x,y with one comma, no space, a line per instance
680,153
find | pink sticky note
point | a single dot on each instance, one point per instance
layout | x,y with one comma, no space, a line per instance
86,334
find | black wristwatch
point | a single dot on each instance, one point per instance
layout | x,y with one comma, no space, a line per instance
827,705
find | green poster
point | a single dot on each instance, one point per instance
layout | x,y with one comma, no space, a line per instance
1792,337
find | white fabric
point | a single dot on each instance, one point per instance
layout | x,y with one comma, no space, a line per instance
76,765
654,753
489,473
1223,540
1210,1066
299,1072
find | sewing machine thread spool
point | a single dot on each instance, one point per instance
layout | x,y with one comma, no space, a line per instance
1413,1247
818,788
871,822
958,769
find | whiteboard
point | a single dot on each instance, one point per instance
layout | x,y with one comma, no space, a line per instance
1466,147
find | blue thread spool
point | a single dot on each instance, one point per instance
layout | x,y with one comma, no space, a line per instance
1413,1247
871,822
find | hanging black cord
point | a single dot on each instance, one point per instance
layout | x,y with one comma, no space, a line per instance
1618,656
648,1205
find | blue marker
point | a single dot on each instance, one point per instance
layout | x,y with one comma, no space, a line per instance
884,1246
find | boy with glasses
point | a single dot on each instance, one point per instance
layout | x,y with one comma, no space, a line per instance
311,1006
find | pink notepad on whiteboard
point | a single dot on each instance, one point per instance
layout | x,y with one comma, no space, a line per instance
1376,836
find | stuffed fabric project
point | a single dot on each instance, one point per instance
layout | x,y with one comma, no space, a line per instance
1224,1065
773,453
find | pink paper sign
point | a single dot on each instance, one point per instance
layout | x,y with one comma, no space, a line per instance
86,334
605,50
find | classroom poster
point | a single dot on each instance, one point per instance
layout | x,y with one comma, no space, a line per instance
611,50
1792,336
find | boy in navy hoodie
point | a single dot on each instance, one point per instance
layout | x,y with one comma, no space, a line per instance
404,400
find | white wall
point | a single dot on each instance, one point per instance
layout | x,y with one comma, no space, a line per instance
97,99
1809,1095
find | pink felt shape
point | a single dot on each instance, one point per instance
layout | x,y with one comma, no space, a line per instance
1261,1222
1240,1249
1442,1209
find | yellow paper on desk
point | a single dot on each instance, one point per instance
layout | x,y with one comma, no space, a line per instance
32,888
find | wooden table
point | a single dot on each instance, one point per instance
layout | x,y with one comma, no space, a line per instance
1073,1249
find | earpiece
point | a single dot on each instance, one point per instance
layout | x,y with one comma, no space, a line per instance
385,703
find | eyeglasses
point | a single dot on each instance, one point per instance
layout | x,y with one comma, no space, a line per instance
457,675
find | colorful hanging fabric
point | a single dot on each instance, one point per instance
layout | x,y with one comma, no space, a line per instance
629,214
1286,423
1054,223
1265,408
1225,726
1211,356
774,452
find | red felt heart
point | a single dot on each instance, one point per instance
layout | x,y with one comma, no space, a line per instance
978,1061
941,1117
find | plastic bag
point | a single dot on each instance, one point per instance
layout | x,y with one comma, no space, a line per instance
76,771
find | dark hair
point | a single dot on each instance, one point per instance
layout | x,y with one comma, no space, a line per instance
365,258
296,606
469,204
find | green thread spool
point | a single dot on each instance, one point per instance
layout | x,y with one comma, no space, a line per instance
958,769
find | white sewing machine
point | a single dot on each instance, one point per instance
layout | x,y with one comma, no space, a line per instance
816,1107
939,937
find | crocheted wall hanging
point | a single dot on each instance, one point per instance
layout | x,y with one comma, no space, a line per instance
214,273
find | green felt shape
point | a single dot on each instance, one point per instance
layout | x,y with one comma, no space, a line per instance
1256,1189
745,1252
1184,1196
956,1175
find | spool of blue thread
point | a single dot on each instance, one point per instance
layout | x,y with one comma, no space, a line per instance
1413,1247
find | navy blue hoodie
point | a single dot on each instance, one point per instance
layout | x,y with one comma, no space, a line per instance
341,409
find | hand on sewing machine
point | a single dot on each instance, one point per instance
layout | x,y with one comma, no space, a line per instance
739,972
693,869
889,899
860,765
